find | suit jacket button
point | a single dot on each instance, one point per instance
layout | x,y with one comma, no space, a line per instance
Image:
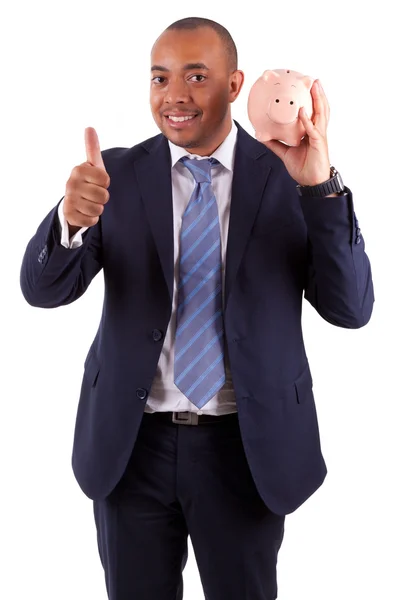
157,335
358,239
141,393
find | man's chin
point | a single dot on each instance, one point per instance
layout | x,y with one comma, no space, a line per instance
179,140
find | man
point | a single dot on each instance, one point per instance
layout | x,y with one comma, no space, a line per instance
196,415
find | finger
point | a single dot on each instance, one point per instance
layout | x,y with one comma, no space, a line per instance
90,209
82,221
94,193
93,152
319,108
325,101
95,175
311,129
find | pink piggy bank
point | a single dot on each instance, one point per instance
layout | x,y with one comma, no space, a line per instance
274,103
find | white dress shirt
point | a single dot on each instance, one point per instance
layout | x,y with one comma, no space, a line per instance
164,395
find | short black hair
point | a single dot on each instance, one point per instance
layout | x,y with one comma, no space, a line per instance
222,32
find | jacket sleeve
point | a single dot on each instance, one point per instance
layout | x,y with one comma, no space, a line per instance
339,281
52,275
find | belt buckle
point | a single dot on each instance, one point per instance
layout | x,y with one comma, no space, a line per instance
185,418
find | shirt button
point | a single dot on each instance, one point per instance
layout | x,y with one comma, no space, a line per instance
141,393
157,335
199,412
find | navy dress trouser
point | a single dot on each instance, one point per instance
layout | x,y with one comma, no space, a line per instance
188,480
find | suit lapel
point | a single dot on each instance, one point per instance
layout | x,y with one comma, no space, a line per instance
154,178
251,170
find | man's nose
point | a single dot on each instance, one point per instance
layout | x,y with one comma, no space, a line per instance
177,91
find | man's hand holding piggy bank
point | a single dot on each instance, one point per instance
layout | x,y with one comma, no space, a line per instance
286,106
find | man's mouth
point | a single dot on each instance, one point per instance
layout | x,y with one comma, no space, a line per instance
180,119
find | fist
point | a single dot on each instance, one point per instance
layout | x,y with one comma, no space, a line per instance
86,190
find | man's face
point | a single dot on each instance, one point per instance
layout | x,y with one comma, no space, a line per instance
192,88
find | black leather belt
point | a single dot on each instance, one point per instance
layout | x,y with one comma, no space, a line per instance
191,418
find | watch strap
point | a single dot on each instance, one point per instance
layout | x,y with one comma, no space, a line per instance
334,185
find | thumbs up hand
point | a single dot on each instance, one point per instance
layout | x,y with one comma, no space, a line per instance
86,190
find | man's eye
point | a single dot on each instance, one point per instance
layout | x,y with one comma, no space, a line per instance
199,78
160,79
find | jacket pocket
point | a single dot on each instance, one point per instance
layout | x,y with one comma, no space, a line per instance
91,368
304,386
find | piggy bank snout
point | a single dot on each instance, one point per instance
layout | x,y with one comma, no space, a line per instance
283,109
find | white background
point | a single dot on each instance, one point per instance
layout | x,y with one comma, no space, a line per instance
69,65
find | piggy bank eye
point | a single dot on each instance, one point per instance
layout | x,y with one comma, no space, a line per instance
291,102
277,100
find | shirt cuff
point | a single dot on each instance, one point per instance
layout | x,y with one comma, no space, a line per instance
66,241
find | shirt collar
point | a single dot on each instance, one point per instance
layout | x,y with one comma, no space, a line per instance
225,153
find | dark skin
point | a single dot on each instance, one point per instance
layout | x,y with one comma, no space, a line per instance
191,77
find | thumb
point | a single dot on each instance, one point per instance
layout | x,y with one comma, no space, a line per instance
93,153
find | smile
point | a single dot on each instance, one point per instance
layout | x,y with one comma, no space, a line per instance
180,122
180,119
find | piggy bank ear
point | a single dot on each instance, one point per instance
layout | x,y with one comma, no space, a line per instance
268,75
308,82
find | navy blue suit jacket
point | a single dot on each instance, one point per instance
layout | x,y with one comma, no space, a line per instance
279,247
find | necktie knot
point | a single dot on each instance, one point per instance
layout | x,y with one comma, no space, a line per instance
200,168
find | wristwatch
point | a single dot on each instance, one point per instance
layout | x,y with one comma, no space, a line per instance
331,186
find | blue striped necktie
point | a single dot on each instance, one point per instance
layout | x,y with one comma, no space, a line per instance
199,342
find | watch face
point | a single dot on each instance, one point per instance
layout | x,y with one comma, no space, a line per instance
340,180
